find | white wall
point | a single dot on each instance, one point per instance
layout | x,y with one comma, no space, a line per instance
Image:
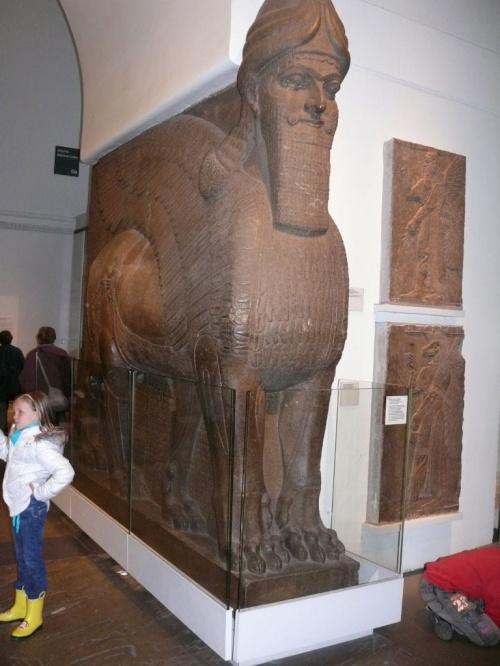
428,73
35,266
142,62
40,107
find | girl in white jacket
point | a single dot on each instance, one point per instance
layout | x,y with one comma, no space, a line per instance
36,471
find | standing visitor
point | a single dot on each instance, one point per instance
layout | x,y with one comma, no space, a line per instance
35,473
11,364
47,366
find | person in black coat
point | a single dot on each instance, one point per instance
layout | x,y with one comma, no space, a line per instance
11,364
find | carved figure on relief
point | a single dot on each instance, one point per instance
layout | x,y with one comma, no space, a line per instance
436,425
427,226
225,267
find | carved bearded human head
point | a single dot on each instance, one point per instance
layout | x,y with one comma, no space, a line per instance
294,60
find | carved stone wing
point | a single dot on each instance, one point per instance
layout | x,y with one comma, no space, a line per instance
152,185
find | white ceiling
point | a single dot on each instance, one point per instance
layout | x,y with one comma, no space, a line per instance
142,62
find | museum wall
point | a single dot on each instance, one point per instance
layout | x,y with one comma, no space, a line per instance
423,72
40,107
432,77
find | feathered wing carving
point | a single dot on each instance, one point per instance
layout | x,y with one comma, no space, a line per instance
152,185
301,312
213,257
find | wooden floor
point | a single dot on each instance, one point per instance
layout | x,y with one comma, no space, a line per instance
96,615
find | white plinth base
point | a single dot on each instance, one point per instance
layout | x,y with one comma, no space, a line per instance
255,635
425,539
301,625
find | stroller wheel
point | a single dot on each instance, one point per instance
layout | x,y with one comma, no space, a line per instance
442,629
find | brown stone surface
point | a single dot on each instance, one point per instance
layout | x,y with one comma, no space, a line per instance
429,360
424,190
213,258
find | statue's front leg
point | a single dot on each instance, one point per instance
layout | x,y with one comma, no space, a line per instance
235,421
179,509
117,397
262,547
302,421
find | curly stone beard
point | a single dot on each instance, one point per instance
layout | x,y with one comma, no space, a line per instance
299,171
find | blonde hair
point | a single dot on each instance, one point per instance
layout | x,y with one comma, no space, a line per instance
39,402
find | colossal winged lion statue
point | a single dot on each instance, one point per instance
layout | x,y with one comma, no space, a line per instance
224,266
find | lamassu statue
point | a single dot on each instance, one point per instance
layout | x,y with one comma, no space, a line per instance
224,266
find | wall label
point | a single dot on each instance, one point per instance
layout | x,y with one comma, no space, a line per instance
395,409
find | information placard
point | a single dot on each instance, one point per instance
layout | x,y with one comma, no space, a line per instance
396,407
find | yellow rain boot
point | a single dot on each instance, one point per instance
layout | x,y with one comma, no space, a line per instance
18,610
32,621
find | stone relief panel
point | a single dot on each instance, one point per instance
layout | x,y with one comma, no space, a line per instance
423,225
429,359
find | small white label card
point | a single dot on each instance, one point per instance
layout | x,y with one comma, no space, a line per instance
356,296
349,393
396,407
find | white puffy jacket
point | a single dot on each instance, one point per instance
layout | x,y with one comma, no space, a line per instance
36,458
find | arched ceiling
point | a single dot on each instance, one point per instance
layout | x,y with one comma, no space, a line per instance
142,62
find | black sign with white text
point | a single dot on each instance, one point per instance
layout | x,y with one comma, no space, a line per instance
67,161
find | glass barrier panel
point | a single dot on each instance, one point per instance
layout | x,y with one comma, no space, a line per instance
370,468
100,442
255,495
182,476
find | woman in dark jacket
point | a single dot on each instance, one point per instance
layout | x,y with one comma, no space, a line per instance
55,363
